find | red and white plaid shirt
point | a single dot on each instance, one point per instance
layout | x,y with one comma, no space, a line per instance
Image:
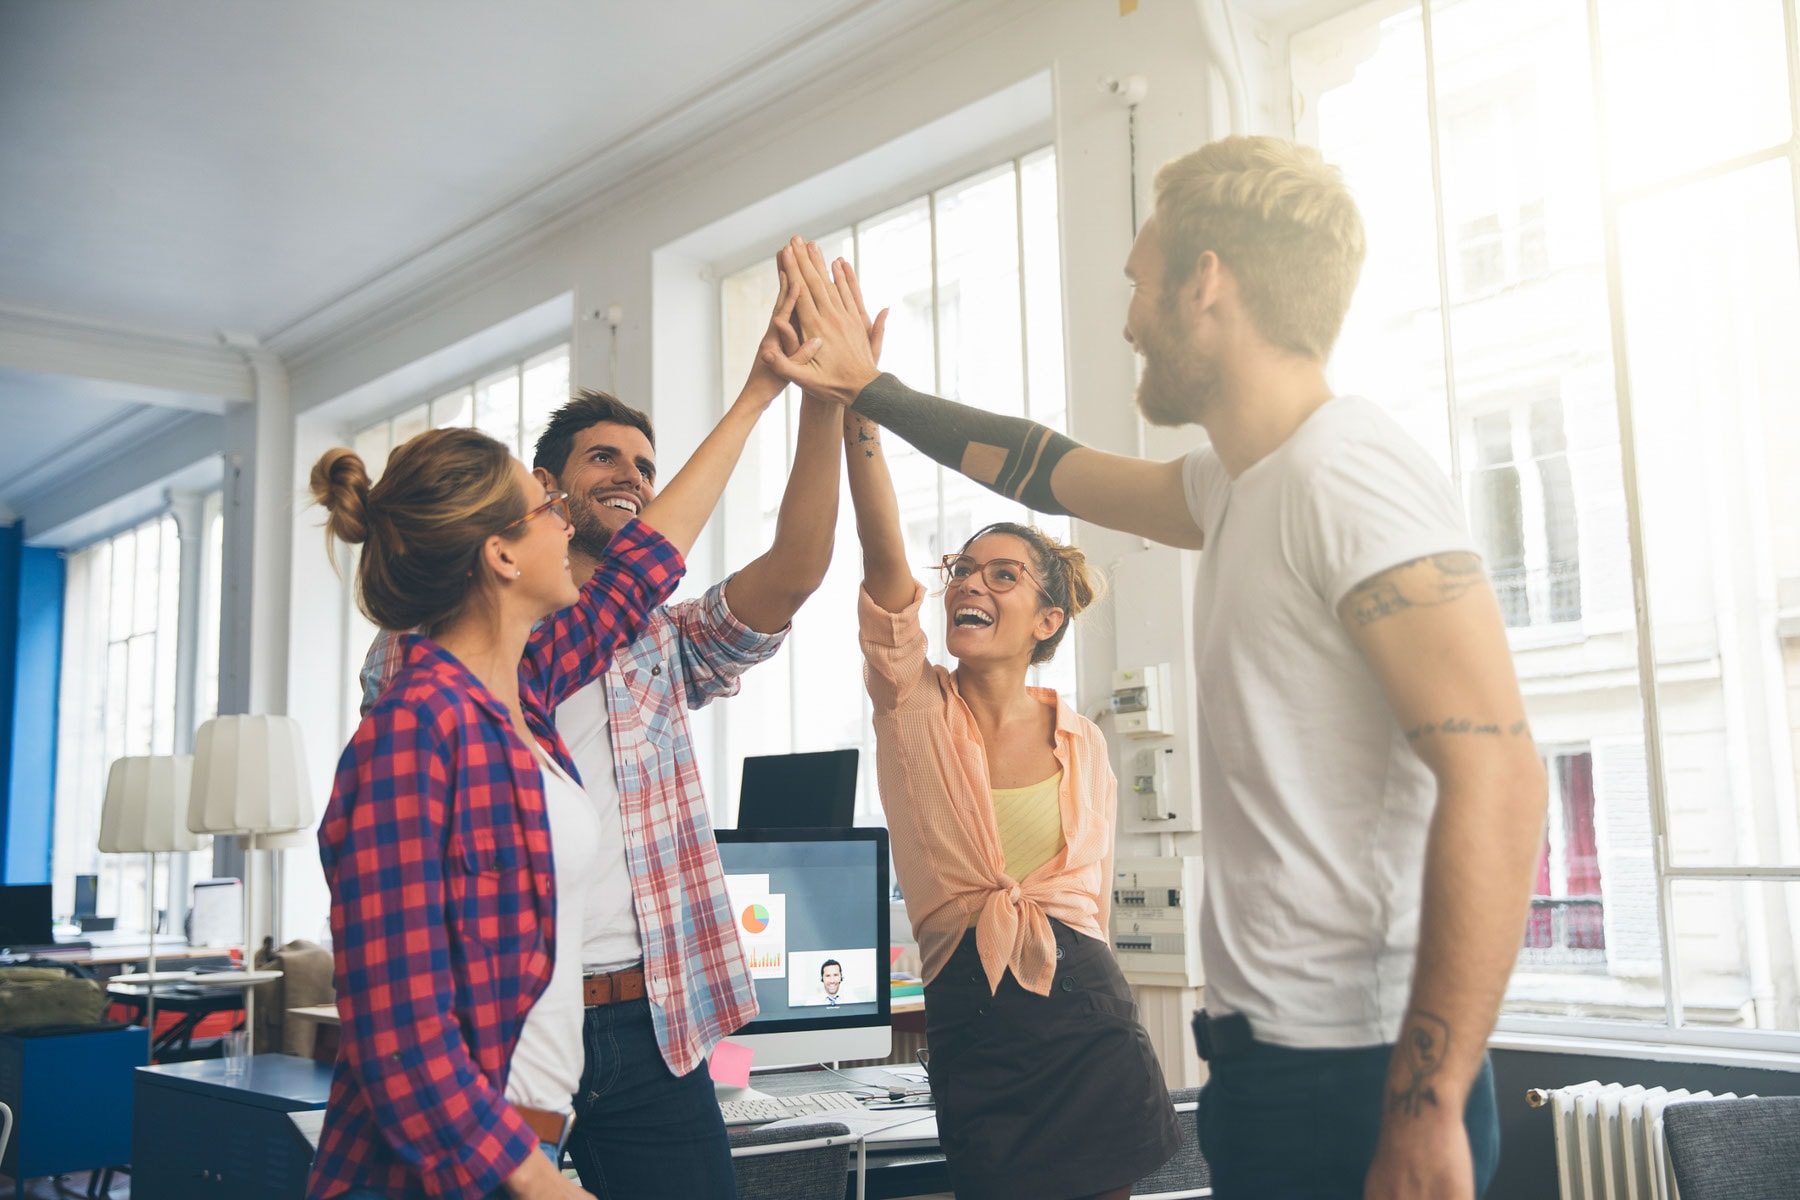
687,656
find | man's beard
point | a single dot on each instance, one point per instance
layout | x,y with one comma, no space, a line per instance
1177,384
591,534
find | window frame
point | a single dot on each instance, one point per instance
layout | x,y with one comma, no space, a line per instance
1612,199
848,224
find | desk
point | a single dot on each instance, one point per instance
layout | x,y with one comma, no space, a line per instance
193,999
325,1040
200,1135
918,1171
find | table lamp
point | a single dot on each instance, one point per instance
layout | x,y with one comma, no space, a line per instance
144,813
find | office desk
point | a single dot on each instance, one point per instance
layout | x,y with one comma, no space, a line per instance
201,1136
194,1000
917,1171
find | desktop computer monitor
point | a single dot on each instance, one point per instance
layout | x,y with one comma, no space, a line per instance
811,909
217,917
798,791
87,897
25,916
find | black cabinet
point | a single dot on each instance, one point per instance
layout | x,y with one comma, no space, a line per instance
200,1136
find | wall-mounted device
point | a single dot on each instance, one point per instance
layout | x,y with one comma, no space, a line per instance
1153,695
1156,920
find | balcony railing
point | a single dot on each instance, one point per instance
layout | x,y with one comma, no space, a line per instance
1539,595
1567,923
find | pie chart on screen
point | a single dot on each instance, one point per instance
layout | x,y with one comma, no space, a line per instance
755,918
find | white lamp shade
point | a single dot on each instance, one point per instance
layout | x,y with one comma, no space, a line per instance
146,806
249,777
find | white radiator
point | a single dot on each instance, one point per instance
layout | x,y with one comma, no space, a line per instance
1609,1139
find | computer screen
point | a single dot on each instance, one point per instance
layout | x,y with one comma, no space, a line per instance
25,915
811,909
816,790
217,918
87,896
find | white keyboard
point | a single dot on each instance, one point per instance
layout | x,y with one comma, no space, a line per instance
779,1108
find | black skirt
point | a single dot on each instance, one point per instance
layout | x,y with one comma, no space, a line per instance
1045,1097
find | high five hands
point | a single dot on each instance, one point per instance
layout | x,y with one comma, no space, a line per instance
844,343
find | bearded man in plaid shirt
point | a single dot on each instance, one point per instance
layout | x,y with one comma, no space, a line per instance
665,976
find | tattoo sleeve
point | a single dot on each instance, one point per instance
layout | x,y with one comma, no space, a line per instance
1421,583
1008,455
1418,1056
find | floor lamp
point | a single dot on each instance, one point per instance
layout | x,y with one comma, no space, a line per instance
250,779
145,812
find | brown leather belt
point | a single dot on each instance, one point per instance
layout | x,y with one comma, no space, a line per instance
613,987
549,1127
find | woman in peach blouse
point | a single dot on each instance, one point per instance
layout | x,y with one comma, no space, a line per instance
1000,805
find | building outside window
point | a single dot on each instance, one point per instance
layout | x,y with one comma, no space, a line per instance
972,275
511,402
1581,292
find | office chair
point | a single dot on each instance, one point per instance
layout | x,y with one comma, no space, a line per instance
1186,1175
1735,1149
804,1162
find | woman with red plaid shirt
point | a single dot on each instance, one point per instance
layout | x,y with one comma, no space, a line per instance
437,842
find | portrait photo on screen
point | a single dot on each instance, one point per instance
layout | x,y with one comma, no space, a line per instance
829,978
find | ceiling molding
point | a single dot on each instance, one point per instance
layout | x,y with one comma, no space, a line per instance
128,463
177,371
80,455
638,162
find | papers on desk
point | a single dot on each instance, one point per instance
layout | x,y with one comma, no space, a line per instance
880,1128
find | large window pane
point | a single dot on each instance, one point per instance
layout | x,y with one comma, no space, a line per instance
1537,449
1688,84
497,407
453,408
1360,80
546,383
1712,300
1736,951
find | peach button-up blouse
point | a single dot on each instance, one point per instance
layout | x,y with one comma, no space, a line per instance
933,774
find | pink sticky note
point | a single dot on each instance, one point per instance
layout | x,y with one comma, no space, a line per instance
894,953
730,1064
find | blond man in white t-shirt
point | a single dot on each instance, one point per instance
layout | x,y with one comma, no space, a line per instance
1372,797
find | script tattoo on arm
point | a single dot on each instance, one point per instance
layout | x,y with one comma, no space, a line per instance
1451,726
1418,1056
1420,583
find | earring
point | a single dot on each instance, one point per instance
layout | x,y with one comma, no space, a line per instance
517,573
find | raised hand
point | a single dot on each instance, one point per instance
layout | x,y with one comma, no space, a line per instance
764,383
831,311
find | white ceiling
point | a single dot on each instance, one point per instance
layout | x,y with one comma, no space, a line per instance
182,168
202,165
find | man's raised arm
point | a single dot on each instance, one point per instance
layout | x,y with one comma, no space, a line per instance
1040,468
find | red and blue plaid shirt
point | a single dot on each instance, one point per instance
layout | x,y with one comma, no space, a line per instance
443,900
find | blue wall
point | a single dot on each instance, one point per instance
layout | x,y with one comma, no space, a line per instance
31,603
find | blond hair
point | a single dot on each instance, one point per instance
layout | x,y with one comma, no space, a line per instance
422,527
1279,216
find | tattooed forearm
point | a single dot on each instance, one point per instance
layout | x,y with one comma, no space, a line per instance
868,435
1418,1056
1420,583
1463,725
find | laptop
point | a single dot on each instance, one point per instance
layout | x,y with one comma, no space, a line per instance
799,791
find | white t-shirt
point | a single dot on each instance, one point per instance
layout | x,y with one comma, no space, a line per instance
546,1066
1314,807
610,937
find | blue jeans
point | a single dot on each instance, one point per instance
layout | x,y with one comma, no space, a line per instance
641,1132
1281,1124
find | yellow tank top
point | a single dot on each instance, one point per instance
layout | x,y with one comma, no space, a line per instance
1030,824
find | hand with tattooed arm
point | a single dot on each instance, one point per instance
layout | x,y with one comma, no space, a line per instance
1433,634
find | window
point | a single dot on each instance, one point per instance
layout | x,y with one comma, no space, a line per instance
1580,295
512,403
1522,511
972,274
119,672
